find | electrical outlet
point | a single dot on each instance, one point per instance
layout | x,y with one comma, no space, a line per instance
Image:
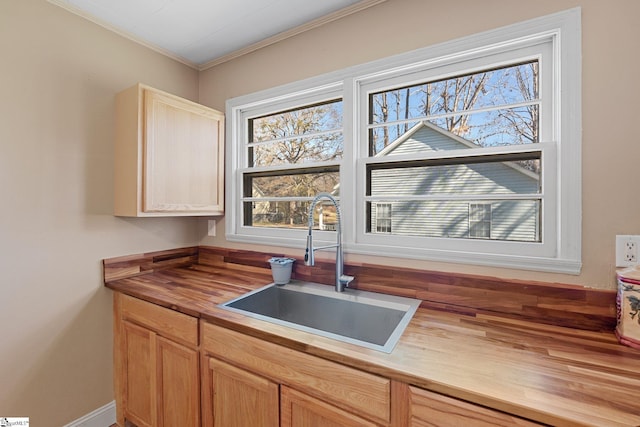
627,250
630,251
211,225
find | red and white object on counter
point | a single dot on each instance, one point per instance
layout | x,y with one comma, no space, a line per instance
628,302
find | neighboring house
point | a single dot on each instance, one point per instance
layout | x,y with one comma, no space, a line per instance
261,210
469,218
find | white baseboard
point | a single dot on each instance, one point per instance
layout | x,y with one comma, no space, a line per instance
101,417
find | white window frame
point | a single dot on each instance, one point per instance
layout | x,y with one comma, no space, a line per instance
560,250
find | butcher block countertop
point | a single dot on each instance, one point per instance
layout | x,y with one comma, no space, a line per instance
550,374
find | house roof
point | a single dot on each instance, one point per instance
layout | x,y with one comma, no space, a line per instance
464,143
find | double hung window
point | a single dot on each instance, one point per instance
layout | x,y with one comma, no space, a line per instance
467,151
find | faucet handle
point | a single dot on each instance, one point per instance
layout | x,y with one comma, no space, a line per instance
345,280
308,252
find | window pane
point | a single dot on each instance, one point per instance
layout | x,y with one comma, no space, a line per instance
290,214
443,115
304,121
511,126
292,185
318,148
277,214
511,220
466,178
492,88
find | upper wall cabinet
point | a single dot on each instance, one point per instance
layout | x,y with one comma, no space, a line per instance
169,155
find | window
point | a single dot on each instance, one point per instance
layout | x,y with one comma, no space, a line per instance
479,220
468,151
383,217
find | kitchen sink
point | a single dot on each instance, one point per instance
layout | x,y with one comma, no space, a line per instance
363,318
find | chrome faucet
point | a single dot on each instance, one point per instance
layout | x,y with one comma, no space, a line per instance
342,280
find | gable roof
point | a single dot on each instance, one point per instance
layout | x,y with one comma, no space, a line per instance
446,141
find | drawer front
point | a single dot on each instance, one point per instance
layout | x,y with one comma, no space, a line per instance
433,409
171,324
366,394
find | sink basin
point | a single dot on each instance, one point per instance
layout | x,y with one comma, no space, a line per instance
367,319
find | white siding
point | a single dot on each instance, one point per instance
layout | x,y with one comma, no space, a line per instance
511,220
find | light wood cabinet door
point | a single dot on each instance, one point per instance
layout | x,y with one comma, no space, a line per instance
435,410
301,410
239,398
169,155
139,375
178,385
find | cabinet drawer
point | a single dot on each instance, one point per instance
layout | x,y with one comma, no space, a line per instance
342,386
168,323
433,409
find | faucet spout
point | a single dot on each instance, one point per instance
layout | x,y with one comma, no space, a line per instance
342,280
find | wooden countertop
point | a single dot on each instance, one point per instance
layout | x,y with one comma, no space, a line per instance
550,374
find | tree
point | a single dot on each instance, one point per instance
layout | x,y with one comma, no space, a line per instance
302,136
494,107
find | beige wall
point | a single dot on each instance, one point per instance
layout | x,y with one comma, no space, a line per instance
610,100
59,74
58,77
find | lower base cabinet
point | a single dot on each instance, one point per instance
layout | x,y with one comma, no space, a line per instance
157,369
166,375
252,382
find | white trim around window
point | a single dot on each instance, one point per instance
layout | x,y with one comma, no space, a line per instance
554,40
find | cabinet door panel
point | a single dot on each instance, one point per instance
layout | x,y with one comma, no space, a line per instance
240,398
301,410
183,143
179,385
140,377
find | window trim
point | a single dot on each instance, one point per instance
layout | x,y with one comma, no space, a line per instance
563,29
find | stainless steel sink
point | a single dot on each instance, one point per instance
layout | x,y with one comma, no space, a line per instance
367,319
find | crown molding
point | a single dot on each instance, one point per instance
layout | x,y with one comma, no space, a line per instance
70,8
357,7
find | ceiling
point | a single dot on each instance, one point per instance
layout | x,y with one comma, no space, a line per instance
202,33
